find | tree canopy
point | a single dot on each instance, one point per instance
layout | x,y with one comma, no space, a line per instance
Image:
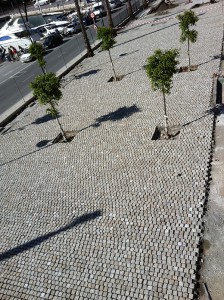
106,34
46,88
188,19
37,51
160,68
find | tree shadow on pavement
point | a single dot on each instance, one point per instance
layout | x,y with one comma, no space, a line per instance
128,53
86,74
37,241
44,119
119,114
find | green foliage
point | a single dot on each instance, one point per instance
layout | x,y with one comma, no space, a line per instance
187,19
46,88
106,34
37,51
160,68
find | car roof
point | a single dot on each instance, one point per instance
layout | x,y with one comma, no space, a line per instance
98,4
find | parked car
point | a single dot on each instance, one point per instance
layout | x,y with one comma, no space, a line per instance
72,29
45,30
52,40
53,27
40,3
114,3
26,57
99,10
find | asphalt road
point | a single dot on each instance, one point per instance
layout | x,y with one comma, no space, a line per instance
16,76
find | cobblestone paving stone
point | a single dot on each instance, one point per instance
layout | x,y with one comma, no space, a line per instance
112,214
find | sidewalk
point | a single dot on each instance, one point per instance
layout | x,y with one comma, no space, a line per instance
112,214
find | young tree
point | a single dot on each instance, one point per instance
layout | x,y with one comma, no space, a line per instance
86,40
107,36
160,68
46,89
37,51
188,19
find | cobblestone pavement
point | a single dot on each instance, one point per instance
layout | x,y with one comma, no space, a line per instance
112,214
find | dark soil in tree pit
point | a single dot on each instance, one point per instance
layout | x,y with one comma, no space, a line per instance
112,79
185,68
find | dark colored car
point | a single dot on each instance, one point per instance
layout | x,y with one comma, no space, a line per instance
52,40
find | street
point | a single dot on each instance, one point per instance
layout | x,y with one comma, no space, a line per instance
18,75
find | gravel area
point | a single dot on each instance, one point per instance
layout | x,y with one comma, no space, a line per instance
112,214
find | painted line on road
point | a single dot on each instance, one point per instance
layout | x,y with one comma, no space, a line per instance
14,75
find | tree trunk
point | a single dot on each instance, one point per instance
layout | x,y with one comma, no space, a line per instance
115,77
165,114
61,129
145,5
130,10
107,6
188,53
59,123
86,40
43,69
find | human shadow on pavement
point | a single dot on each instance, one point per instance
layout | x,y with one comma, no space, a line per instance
140,36
37,241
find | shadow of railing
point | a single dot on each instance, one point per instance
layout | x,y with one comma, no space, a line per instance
216,110
25,155
213,58
40,120
37,241
140,36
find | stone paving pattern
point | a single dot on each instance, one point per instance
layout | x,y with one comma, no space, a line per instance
112,214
